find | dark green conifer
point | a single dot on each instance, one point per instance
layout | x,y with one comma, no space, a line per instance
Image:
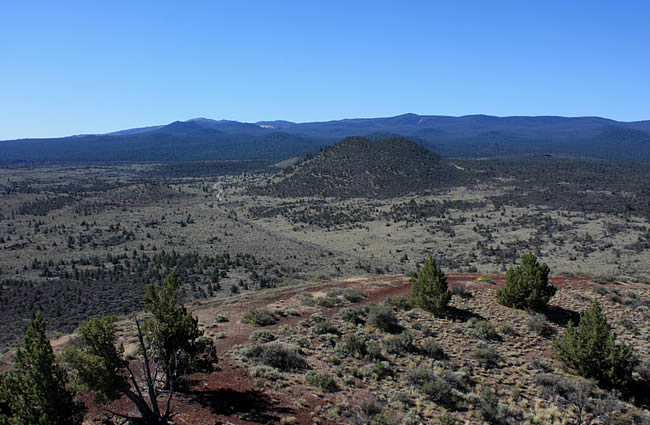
590,350
37,391
429,288
174,332
527,285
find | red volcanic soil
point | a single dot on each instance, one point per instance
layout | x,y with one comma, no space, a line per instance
231,396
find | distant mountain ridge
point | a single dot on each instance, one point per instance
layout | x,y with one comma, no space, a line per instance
470,136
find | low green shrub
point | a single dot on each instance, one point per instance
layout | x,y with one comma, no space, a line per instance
265,372
322,381
307,300
353,295
259,318
381,369
538,324
333,292
221,318
353,344
483,329
486,356
399,303
374,350
276,355
433,386
399,344
432,349
488,405
262,336
326,327
328,302
354,315
383,318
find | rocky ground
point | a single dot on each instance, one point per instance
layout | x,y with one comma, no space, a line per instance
481,359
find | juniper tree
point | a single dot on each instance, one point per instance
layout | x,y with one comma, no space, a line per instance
37,391
590,350
429,288
169,345
527,285
101,367
174,332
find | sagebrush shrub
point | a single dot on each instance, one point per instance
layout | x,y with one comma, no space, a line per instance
483,329
374,350
322,381
326,327
262,336
354,315
353,344
265,372
433,349
259,318
399,344
278,356
353,295
383,318
537,323
328,302
399,303
486,355
381,369
433,386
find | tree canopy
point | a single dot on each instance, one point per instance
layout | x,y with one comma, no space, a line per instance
429,288
174,332
169,345
590,349
37,391
527,285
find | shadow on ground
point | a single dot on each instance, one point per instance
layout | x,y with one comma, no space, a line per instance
561,316
251,405
457,314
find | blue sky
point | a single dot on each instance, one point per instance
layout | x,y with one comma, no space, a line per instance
90,67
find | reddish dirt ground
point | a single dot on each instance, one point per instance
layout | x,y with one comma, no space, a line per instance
230,396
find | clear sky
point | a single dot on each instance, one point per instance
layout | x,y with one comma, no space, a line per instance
71,67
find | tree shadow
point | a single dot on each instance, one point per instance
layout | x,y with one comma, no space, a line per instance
251,405
458,314
561,316
639,392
